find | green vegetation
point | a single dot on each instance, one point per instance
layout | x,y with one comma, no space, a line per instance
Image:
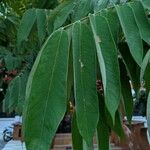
67,46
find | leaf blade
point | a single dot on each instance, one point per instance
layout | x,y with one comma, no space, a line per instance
25,26
50,98
145,70
41,24
82,9
63,14
103,128
148,112
131,32
77,140
85,70
126,92
141,20
108,61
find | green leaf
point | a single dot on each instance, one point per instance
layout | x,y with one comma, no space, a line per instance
117,125
146,76
117,128
106,125
86,146
58,16
4,51
133,70
64,13
113,2
7,99
108,61
126,92
100,4
12,62
41,24
76,137
102,127
144,64
84,64
146,3
21,99
148,112
113,22
141,20
70,75
50,21
12,95
46,96
145,70
82,9
15,93
25,26
103,136
131,32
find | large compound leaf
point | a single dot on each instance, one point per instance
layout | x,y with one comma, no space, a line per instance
108,61
84,64
25,26
131,32
141,20
145,70
46,96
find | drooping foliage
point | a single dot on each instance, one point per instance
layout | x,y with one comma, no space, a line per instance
110,45
94,41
